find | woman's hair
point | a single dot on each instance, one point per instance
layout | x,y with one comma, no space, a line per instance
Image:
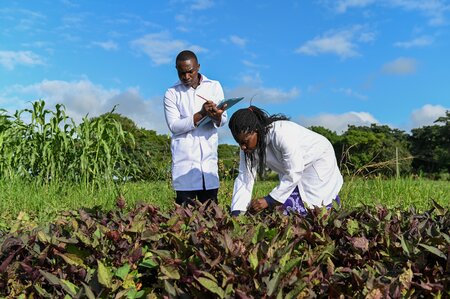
254,119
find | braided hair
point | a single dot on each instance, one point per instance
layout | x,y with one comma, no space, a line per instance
254,119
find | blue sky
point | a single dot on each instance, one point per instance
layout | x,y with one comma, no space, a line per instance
320,62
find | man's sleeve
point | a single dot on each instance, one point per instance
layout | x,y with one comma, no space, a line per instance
220,96
176,124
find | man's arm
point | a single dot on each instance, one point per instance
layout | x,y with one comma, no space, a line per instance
176,124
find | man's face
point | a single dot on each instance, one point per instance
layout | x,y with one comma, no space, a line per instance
188,72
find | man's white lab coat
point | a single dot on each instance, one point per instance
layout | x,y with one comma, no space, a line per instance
194,149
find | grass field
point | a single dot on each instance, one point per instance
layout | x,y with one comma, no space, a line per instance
43,203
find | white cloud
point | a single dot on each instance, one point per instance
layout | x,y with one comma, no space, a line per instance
417,42
339,122
238,41
351,93
253,65
162,48
426,115
434,10
264,94
84,97
202,4
107,45
343,5
252,88
10,59
400,66
341,43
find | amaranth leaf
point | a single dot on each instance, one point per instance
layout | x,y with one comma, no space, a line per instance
211,286
104,275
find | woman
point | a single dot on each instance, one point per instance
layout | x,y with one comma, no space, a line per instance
304,160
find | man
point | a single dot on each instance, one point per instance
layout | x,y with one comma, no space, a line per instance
194,147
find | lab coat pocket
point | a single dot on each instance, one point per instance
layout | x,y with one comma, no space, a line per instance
182,150
324,167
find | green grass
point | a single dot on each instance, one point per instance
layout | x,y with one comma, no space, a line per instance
43,203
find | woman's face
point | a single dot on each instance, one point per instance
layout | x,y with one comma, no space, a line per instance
247,141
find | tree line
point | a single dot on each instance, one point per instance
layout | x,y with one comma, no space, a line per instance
360,150
50,147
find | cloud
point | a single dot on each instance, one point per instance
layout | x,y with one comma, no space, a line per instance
238,41
343,5
202,4
10,59
400,66
84,97
338,122
162,48
107,45
417,42
253,65
23,20
426,115
351,93
341,43
252,88
434,10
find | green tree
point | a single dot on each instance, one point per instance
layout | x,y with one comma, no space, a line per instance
369,150
332,136
430,146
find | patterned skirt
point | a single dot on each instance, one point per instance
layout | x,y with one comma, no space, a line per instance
294,204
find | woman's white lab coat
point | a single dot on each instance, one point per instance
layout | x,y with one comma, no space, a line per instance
301,158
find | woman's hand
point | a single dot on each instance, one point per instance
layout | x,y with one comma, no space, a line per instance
258,204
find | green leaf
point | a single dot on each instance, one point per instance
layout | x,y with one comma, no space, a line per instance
71,259
253,258
69,287
273,284
291,264
259,234
170,272
43,293
88,292
104,275
149,263
434,250
211,286
405,246
352,227
50,277
171,291
123,271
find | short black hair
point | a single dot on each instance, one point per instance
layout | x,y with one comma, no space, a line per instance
186,55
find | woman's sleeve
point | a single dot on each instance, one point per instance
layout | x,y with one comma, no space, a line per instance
243,185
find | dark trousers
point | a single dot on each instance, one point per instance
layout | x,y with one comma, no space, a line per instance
188,197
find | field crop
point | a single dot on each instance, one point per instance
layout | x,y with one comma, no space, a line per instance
203,252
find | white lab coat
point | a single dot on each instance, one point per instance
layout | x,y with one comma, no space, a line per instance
301,158
194,149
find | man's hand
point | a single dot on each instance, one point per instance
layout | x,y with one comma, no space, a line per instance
212,111
258,204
